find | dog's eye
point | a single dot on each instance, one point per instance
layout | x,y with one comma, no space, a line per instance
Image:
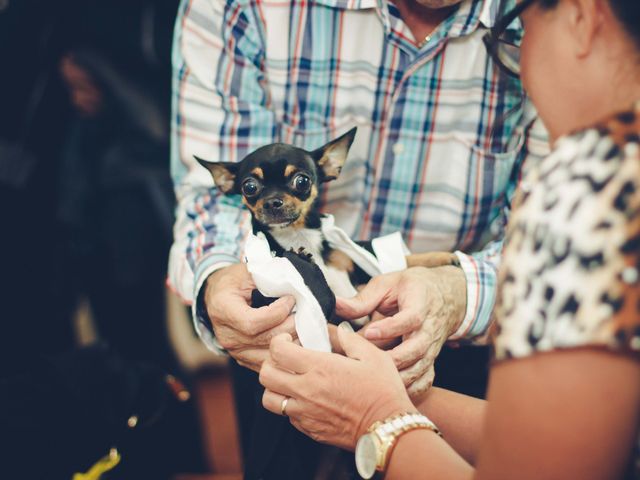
250,187
301,183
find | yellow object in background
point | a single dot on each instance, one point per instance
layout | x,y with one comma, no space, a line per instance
106,463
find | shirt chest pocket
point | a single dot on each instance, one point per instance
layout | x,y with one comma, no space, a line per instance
460,194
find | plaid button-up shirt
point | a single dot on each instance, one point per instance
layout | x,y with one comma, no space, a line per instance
442,134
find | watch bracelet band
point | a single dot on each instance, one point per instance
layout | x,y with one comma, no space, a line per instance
388,431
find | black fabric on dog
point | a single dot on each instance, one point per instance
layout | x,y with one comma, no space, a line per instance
313,279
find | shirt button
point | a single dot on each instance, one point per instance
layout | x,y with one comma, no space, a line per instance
630,275
398,149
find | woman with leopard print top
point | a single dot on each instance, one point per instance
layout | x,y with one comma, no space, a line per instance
564,394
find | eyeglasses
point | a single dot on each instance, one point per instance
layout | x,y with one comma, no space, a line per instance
504,45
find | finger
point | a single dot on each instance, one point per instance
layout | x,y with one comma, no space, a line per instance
363,333
258,320
265,338
420,386
278,380
387,343
291,357
410,374
236,342
354,346
364,302
273,402
252,358
402,323
410,351
335,342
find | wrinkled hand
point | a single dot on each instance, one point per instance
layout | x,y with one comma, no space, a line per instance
245,332
423,306
333,399
86,97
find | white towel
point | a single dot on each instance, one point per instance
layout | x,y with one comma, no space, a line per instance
276,276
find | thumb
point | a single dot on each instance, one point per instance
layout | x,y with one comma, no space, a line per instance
364,302
354,345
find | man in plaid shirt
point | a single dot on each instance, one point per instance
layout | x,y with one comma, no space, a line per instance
442,136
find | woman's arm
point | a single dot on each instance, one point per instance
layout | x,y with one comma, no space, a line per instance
563,414
559,415
422,454
459,417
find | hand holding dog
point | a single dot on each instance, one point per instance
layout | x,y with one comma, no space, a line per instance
333,398
245,332
424,306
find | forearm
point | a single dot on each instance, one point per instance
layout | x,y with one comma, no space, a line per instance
216,120
207,234
423,454
459,418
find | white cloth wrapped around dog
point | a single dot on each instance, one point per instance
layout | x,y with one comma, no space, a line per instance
276,276
390,250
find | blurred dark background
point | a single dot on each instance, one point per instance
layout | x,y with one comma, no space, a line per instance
87,209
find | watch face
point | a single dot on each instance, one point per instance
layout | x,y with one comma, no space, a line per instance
366,456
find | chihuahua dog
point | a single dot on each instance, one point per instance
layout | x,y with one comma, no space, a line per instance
280,186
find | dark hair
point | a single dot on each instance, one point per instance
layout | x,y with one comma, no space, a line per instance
626,11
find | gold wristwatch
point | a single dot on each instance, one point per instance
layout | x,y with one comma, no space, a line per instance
374,448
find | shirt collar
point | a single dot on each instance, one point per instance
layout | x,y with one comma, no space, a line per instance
472,15
348,4
469,17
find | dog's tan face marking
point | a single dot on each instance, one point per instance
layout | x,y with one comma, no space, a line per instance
248,205
258,173
294,208
302,207
290,170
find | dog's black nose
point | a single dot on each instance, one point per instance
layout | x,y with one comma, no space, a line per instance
273,203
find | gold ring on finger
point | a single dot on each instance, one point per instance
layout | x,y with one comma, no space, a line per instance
283,406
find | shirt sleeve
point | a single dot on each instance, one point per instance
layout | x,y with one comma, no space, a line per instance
480,268
221,112
570,273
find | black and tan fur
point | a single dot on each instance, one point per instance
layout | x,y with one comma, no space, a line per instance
280,184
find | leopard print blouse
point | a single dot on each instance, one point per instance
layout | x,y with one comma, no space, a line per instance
571,263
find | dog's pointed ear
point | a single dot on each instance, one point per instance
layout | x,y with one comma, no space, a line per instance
330,158
223,173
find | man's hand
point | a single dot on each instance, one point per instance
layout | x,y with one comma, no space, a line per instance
245,332
423,306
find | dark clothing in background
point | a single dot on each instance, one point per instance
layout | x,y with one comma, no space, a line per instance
58,415
34,114
116,196
87,206
92,214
